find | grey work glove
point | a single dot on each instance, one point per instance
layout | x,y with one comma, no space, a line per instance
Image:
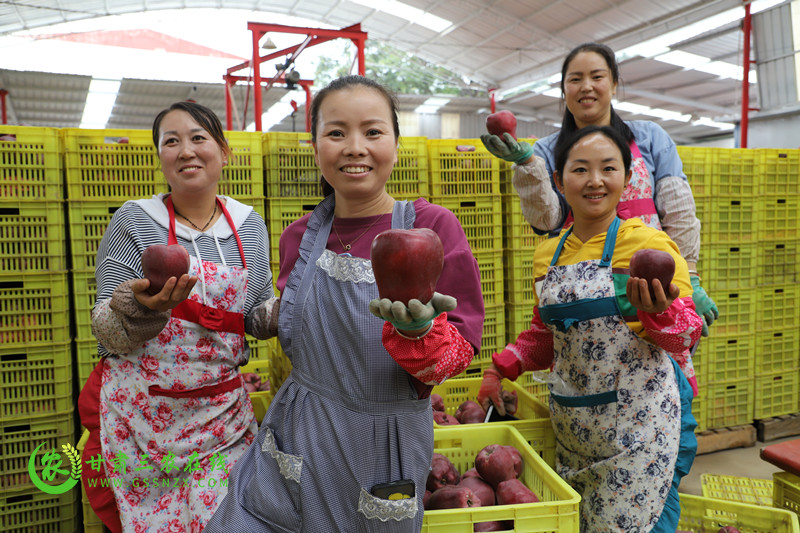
507,147
417,316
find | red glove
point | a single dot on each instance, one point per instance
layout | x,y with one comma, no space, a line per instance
491,390
507,363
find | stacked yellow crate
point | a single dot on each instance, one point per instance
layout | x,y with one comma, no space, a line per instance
36,409
465,178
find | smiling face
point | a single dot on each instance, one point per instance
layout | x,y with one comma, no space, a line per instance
356,147
191,159
592,182
588,89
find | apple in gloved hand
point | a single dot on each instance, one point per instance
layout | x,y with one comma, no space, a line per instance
407,263
502,122
163,261
651,264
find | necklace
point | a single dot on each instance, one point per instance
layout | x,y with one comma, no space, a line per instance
350,245
192,223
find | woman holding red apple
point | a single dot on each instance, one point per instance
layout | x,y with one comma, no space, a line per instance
166,402
658,191
619,404
355,413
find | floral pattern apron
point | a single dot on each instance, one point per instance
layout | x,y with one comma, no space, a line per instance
174,413
616,412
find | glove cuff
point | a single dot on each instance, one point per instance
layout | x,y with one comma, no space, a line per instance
507,364
524,155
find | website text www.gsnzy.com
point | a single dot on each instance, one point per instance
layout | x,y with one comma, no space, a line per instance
55,479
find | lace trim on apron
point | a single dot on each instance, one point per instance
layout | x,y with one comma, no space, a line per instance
344,268
291,466
384,510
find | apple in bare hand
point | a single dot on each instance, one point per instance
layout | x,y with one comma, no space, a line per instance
651,264
163,261
407,263
502,122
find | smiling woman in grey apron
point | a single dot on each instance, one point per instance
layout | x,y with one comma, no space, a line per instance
165,406
620,406
354,412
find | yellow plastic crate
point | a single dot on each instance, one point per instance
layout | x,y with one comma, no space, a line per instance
91,522
778,218
291,171
19,439
786,491
726,357
536,388
777,395
490,267
462,168
32,236
518,234
480,217
779,170
701,514
280,213
32,510
778,262
410,179
726,267
36,380
732,220
88,222
737,309
117,164
737,489
518,319
30,164
34,309
260,399
729,403
698,165
778,307
777,351
534,416
518,273
494,335
557,510
735,172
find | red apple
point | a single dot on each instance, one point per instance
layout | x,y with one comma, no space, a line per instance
502,122
445,419
437,402
651,264
161,262
407,263
496,463
470,412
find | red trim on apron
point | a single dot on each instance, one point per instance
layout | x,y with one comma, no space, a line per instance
209,317
628,208
200,392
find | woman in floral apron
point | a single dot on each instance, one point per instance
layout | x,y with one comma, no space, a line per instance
165,406
621,408
355,411
658,192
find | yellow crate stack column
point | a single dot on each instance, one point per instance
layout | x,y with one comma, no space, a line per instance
36,406
465,178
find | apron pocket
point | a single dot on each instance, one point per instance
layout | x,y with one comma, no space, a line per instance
587,425
392,516
278,474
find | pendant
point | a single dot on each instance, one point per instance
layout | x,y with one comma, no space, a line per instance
347,248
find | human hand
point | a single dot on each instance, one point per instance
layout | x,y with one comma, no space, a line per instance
491,391
173,293
639,295
417,317
703,304
507,147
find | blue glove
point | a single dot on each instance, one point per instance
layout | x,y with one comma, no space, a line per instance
507,148
417,316
704,305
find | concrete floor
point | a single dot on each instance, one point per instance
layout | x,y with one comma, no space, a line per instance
741,462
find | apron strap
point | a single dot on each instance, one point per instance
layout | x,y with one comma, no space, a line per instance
209,317
563,316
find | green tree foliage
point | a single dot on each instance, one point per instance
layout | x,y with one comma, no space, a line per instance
401,72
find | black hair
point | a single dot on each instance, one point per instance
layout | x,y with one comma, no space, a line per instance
350,82
568,125
562,149
201,114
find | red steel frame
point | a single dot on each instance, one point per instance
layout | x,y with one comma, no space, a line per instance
314,36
